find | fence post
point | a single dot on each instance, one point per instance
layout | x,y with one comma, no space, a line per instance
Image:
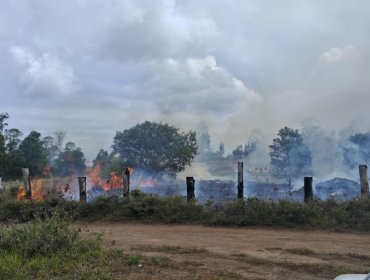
82,187
240,181
308,194
27,183
190,188
126,181
364,181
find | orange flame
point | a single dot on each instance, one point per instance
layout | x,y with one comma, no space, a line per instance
39,190
21,194
94,179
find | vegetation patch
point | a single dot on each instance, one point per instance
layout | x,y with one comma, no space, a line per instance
333,215
50,249
301,251
171,249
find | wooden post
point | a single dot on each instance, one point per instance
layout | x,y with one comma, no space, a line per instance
82,186
27,183
364,181
308,194
240,181
126,182
190,188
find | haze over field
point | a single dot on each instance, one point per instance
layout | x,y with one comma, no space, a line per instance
95,67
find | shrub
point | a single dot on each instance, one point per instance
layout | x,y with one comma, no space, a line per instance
50,249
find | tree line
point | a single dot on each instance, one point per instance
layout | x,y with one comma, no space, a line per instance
43,156
156,148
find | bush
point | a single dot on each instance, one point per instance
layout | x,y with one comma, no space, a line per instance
49,249
43,238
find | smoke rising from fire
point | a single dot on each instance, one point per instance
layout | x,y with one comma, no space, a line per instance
92,68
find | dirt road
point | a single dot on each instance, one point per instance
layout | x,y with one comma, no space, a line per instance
241,253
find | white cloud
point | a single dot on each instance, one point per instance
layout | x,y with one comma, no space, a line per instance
192,85
337,54
43,75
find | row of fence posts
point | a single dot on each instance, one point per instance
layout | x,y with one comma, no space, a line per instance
190,184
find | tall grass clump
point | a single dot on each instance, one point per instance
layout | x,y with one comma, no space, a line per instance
49,249
164,210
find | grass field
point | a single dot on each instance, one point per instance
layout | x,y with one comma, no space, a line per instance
246,239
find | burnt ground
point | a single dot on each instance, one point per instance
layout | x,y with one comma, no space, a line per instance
200,252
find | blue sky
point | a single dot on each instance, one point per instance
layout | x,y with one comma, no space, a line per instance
94,67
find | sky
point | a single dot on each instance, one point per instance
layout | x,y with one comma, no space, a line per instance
93,67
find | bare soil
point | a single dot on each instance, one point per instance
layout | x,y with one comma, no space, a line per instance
200,252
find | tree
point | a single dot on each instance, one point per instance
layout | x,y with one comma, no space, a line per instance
290,157
14,156
60,135
221,150
241,152
35,156
203,139
11,158
238,153
156,147
13,139
101,158
3,124
51,148
71,161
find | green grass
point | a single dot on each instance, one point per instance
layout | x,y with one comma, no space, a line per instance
50,249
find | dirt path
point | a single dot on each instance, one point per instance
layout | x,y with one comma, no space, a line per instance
243,253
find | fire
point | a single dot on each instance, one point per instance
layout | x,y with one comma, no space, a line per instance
38,190
67,187
94,179
93,176
21,194
116,180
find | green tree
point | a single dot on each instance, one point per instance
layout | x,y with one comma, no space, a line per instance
14,156
14,162
11,158
3,124
156,147
290,157
51,148
71,161
35,157
101,158
13,139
